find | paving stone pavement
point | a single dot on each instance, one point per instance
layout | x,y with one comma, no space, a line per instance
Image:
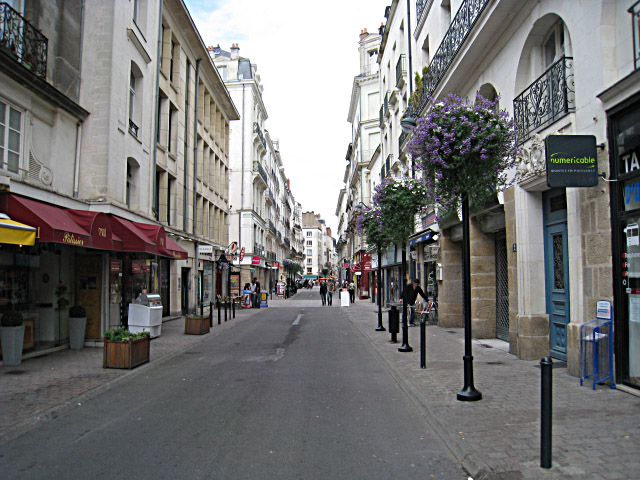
596,434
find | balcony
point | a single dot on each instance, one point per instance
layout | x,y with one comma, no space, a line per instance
381,116
421,5
546,100
460,27
258,130
388,162
258,168
21,40
401,70
387,97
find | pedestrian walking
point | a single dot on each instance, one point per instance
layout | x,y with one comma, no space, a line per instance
255,293
352,292
330,289
323,293
411,292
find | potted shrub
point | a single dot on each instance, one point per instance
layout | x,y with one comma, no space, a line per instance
77,326
12,335
196,324
123,349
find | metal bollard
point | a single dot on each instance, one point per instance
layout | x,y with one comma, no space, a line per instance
233,308
226,306
201,308
210,314
219,312
423,343
546,368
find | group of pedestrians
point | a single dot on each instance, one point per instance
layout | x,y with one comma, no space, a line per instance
252,294
328,288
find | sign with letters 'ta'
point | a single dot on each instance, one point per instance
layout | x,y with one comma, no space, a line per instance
572,161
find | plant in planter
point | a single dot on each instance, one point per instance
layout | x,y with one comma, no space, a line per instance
61,293
12,336
77,326
196,324
123,349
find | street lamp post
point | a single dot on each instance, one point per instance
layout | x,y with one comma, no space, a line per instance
379,328
468,392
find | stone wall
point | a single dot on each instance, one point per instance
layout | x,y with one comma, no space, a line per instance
450,290
483,281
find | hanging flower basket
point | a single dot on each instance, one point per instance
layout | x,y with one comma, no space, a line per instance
464,149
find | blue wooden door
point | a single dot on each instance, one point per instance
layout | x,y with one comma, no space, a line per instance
556,271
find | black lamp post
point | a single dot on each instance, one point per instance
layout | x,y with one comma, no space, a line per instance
379,328
468,392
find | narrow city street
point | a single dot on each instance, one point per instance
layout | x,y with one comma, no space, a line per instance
289,393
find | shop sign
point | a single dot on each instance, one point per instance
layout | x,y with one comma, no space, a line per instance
71,239
346,265
205,249
115,265
572,161
255,260
136,267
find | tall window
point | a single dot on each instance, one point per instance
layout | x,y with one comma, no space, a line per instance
222,70
10,137
135,99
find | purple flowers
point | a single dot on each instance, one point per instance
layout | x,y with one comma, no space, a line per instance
464,149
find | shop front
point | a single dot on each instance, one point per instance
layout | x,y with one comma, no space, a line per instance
624,141
93,259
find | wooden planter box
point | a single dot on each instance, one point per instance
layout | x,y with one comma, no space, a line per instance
196,325
125,354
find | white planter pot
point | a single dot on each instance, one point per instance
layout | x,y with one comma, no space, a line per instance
12,340
77,328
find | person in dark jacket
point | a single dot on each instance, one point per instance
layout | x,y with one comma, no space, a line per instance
323,292
411,292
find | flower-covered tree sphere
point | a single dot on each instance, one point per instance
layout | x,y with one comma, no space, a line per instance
464,149
397,200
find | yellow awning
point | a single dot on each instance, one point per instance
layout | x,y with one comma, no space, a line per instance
16,233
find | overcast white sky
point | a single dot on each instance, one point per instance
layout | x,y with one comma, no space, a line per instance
307,56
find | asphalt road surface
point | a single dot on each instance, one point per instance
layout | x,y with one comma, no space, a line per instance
290,393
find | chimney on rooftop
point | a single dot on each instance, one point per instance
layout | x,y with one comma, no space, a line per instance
363,34
235,51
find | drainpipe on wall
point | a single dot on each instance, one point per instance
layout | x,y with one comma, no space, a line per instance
241,175
196,265
156,126
195,148
76,166
186,149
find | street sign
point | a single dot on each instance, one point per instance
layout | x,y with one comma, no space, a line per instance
572,161
233,248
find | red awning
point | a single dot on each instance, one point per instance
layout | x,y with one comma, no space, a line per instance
53,223
129,237
98,226
157,235
176,250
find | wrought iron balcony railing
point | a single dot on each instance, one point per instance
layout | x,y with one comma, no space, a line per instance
635,26
387,162
257,167
421,5
462,24
386,102
546,100
258,130
401,70
133,128
22,41
381,116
